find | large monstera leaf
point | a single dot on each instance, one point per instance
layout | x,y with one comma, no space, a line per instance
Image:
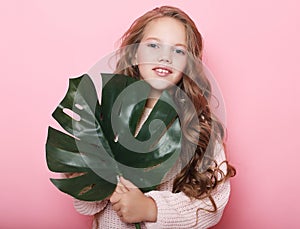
100,142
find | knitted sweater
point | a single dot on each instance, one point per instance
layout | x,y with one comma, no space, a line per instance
174,210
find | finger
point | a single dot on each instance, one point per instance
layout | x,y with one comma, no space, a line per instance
119,213
121,188
115,197
126,183
116,207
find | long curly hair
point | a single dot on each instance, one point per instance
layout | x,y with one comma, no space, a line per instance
202,130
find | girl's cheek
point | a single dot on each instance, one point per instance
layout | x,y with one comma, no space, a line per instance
179,64
147,57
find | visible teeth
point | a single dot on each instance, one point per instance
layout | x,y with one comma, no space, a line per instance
162,70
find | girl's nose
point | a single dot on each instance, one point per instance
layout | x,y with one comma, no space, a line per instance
165,55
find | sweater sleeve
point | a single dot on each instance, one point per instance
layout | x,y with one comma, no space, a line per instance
89,208
176,210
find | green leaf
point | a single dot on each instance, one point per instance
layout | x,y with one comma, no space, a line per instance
99,142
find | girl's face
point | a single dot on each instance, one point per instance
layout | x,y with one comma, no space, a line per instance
162,53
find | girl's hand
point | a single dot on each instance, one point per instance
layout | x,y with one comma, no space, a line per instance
131,205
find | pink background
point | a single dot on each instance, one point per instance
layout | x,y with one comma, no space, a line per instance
252,47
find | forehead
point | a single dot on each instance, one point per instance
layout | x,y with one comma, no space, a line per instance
167,30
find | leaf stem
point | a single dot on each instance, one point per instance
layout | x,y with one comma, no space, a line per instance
137,226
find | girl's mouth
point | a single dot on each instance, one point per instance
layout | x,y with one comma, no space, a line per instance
162,71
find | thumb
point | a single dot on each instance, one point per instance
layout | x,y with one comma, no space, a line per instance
127,183
115,197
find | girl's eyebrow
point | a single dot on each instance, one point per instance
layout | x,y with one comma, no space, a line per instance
158,40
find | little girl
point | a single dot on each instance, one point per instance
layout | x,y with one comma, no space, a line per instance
166,41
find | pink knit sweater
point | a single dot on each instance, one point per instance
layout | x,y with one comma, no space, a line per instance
174,210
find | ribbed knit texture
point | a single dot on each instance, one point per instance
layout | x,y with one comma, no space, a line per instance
174,210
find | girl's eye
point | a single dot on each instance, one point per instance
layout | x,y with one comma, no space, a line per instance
179,51
153,45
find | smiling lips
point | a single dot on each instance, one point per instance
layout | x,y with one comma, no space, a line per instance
162,71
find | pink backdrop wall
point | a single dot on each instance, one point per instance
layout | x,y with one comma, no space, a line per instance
252,47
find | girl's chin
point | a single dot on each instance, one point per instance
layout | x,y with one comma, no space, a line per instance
160,86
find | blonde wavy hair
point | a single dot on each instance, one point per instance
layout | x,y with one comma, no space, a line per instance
202,130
